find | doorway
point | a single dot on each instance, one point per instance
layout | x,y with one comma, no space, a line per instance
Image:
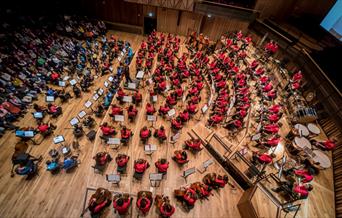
150,24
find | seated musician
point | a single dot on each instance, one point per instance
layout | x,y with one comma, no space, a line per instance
271,128
190,198
144,203
78,130
302,190
53,166
88,121
99,200
327,145
184,116
120,95
45,129
162,165
204,191
171,99
28,166
126,134
116,110
193,144
121,160
39,108
140,166
54,110
137,98
64,96
121,204
70,162
107,130
179,92
145,134
150,109
195,99
132,112
180,156
163,110
221,181
99,111
273,141
101,159
160,134
166,210
258,158
273,117
176,124
234,124
77,91
162,85
274,108
305,175
215,119
192,108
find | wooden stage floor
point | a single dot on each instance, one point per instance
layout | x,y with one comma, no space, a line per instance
62,195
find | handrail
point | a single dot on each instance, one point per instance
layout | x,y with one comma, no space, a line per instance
271,28
230,6
321,71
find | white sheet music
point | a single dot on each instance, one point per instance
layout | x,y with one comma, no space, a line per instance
73,82
100,91
82,114
106,84
140,74
74,121
151,118
61,83
113,141
50,98
88,104
156,176
127,99
110,79
189,171
204,108
132,85
119,118
58,139
96,96
171,112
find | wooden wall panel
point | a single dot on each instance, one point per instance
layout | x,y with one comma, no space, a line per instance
167,21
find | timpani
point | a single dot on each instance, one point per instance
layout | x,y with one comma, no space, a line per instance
302,142
322,159
302,129
313,128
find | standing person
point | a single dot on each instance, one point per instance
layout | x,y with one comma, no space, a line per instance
126,72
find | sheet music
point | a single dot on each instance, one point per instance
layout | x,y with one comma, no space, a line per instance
58,139
127,99
110,79
82,114
50,98
151,118
140,74
171,112
88,104
156,176
119,118
61,83
204,108
132,85
189,171
73,82
113,141
95,97
74,121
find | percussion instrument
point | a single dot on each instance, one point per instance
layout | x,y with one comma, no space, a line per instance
322,159
306,115
302,129
314,128
302,142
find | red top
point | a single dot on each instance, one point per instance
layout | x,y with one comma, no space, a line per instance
123,208
220,182
125,134
179,92
132,112
162,167
274,141
144,133
164,109
265,158
150,109
53,108
121,93
273,117
43,128
140,167
301,190
161,133
146,208
166,213
237,123
54,76
275,108
176,124
189,196
122,161
329,145
137,96
307,177
216,118
184,116
116,110
106,130
192,108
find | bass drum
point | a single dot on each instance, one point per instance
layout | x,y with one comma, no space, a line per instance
306,115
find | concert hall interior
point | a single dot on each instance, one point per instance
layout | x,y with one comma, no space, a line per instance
171,108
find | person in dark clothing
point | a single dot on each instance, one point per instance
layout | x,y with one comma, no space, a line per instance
126,72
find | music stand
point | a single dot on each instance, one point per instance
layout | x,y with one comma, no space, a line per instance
174,138
132,86
204,109
205,165
74,121
106,84
110,79
81,114
88,105
119,118
114,179
154,98
188,172
152,119
171,112
149,149
100,92
96,97
61,84
58,140
127,99
73,82
155,179
114,143
140,74
38,115
49,99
